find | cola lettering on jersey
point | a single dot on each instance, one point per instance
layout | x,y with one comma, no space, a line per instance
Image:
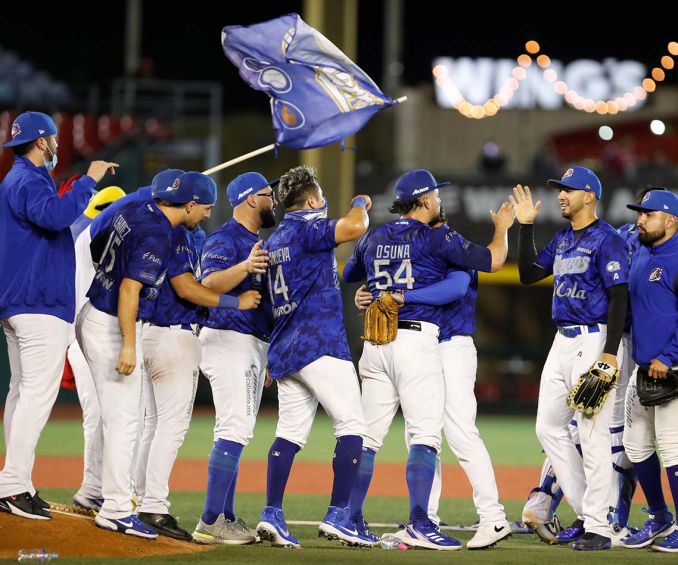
565,291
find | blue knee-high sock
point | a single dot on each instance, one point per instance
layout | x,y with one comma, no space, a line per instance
345,465
229,503
222,467
421,467
280,459
627,487
361,484
672,473
649,477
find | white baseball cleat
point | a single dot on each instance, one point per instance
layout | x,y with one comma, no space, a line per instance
536,516
489,535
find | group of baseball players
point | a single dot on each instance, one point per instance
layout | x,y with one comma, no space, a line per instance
140,302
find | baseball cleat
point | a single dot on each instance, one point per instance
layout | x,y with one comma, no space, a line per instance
425,534
22,505
536,516
337,524
365,533
94,504
38,502
619,534
165,525
592,542
224,532
488,535
651,529
572,533
668,544
130,525
272,528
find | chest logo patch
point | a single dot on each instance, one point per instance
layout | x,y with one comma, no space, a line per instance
655,275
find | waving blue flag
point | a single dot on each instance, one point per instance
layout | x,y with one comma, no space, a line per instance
318,95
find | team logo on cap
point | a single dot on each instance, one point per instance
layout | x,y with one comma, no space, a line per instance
175,185
419,190
568,173
16,129
655,275
244,192
645,198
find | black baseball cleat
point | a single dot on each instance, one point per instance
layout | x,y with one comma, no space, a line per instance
22,505
165,525
38,502
592,542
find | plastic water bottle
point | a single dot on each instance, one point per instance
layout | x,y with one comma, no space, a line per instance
37,555
389,541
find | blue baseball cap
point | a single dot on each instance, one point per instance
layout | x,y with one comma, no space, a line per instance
30,126
657,200
243,185
415,183
163,179
190,186
579,178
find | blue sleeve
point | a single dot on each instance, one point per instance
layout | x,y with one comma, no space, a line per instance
669,354
319,235
42,206
546,256
460,252
354,270
219,252
180,257
612,261
451,288
147,261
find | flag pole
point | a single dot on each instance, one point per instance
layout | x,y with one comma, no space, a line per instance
240,159
259,151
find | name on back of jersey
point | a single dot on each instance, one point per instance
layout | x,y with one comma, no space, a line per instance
277,286
393,251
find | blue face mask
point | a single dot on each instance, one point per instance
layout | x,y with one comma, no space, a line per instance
49,165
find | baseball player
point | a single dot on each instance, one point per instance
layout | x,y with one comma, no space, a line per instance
308,354
37,297
130,269
654,300
406,255
172,357
89,494
589,262
235,347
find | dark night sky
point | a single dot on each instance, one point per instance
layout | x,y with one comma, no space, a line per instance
83,44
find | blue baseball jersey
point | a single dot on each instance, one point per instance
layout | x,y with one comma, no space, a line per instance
303,282
655,304
582,271
137,246
229,245
168,309
103,221
459,317
629,233
407,254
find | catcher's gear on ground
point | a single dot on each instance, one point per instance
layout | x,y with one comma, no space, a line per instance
653,392
589,393
381,320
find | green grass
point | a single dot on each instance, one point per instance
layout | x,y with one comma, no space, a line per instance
510,440
520,549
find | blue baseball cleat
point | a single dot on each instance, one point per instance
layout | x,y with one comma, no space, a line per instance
573,533
272,527
337,524
425,534
365,533
651,529
130,525
668,544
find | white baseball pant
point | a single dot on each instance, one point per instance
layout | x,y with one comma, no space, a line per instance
235,365
36,347
118,397
405,372
171,357
585,480
332,382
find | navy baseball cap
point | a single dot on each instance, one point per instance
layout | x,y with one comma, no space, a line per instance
415,183
30,126
579,178
163,179
190,186
657,200
243,185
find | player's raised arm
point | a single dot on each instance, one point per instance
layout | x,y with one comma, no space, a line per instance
355,222
526,213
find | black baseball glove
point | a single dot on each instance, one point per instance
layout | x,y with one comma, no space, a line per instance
653,392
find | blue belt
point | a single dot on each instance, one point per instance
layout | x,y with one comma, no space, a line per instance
574,331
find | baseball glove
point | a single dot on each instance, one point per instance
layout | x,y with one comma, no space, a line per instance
381,320
589,393
653,392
